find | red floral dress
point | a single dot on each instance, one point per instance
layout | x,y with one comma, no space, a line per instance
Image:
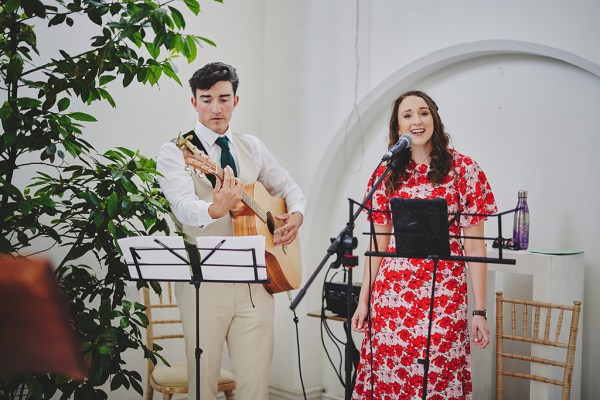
402,291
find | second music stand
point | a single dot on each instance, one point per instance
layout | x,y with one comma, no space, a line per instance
168,258
421,230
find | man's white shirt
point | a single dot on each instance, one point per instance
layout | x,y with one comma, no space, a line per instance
178,186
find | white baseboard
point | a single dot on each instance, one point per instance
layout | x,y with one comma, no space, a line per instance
329,396
277,392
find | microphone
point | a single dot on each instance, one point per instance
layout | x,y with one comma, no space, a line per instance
404,142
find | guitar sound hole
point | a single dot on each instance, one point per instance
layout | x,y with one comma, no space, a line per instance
270,223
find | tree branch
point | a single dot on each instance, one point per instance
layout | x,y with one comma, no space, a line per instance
57,167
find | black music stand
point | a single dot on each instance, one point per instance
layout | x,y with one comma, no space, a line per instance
421,231
420,227
166,258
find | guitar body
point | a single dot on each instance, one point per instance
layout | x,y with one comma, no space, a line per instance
256,216
283,262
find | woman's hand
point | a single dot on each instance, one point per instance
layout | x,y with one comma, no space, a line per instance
481,332
360,319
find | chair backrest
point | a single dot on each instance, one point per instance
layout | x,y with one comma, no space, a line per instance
168,317
163,323
550,330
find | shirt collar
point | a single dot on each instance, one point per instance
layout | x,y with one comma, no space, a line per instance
208,135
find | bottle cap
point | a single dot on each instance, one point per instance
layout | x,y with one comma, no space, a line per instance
522,193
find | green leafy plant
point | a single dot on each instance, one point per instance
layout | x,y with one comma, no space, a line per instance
79,202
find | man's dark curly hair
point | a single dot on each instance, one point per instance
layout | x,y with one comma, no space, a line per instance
212,73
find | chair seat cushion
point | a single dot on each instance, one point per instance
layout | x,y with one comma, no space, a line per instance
176,375
225,377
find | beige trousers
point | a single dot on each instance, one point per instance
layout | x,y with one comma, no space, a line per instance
241,314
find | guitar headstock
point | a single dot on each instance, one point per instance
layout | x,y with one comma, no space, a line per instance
186,142
198,159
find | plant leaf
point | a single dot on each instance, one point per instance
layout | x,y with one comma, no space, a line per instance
193,6
11,6
81,116
63,104
27,102
104,79
111,206
177,18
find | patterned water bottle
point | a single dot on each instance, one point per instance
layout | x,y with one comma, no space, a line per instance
521,223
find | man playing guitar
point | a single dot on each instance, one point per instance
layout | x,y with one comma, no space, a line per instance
206,204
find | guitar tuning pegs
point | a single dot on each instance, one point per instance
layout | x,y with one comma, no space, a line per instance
183,140
194,171
179,142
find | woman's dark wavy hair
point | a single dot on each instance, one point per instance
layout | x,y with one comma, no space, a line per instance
212,73
441,158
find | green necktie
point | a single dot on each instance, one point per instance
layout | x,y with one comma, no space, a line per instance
226,156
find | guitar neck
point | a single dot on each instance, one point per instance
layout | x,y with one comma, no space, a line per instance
211,168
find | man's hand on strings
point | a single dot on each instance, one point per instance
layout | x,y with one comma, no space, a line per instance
288,232
226,194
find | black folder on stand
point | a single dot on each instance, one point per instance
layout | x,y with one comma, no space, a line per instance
421,227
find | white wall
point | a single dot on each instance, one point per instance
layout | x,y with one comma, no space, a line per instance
517,84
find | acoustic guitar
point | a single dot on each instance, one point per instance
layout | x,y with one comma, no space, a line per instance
283,264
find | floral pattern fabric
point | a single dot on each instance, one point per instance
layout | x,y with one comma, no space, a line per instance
401,296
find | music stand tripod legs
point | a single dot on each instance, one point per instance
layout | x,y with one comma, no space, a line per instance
196,265
196,277
425,361
165,258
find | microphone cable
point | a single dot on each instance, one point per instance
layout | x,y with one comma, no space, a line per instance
334,339
296,320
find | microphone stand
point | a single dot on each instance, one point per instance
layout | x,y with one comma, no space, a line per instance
342,246
425,361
